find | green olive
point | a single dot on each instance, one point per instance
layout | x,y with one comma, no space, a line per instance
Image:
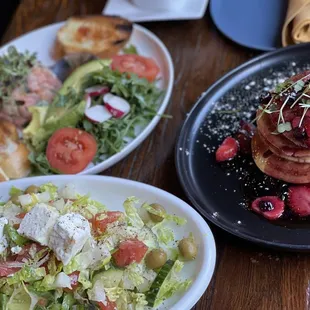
157,207
32,189
156,258
188,248
15,200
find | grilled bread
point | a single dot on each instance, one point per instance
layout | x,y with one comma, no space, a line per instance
14,161
102,36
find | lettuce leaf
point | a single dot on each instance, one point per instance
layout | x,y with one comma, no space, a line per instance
84,279
27,274
68,301
94,256
14,236
3,301
97,293
51,189
47,284
22,299
172,284
131,212
164,234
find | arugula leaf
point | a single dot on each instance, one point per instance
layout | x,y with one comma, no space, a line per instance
143,97
131,49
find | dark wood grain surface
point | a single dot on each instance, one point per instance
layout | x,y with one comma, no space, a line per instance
246,277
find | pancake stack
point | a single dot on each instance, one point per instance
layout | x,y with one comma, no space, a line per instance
281,144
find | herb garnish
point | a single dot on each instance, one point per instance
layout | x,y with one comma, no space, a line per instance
281,90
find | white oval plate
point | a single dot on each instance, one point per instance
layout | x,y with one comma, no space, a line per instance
41,41
113,191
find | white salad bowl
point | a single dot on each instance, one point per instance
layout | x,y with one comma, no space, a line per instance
113,191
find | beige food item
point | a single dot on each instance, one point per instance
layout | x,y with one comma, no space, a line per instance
296,28
14,161
102,36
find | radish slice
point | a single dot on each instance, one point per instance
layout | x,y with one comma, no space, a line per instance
117,106
88,102
97,90
98,114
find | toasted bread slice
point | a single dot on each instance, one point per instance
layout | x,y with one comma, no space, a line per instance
14,161
102,36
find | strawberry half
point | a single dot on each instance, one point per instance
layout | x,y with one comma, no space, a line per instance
299,200
271,207
227,150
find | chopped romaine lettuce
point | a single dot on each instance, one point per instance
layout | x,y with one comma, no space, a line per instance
164,234
51,189
131,211
21,298
84,279
68,301
14,236
3,301
172,284
97,293
27,274
47,284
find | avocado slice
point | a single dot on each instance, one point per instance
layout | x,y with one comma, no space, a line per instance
75,79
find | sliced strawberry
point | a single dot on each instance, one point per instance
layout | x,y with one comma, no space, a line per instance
271,207
299,200
227,150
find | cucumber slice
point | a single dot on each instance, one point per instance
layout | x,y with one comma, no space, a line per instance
110,278
159,280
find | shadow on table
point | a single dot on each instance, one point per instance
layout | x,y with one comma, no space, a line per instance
7,10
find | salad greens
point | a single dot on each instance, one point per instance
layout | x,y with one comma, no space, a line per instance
107,266
67,110
14,68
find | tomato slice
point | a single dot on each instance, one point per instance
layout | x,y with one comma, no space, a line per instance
70,150
142,66
102,220
129,251
110,305
74,281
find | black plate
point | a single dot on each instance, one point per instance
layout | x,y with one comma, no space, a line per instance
218,191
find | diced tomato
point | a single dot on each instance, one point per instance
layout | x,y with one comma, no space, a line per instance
74,281
70,150
20,215
102,220
129,251
142,66
110,305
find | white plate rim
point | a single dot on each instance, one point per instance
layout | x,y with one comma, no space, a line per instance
109,162
202,281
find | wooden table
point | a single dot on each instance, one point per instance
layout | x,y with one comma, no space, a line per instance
246,277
